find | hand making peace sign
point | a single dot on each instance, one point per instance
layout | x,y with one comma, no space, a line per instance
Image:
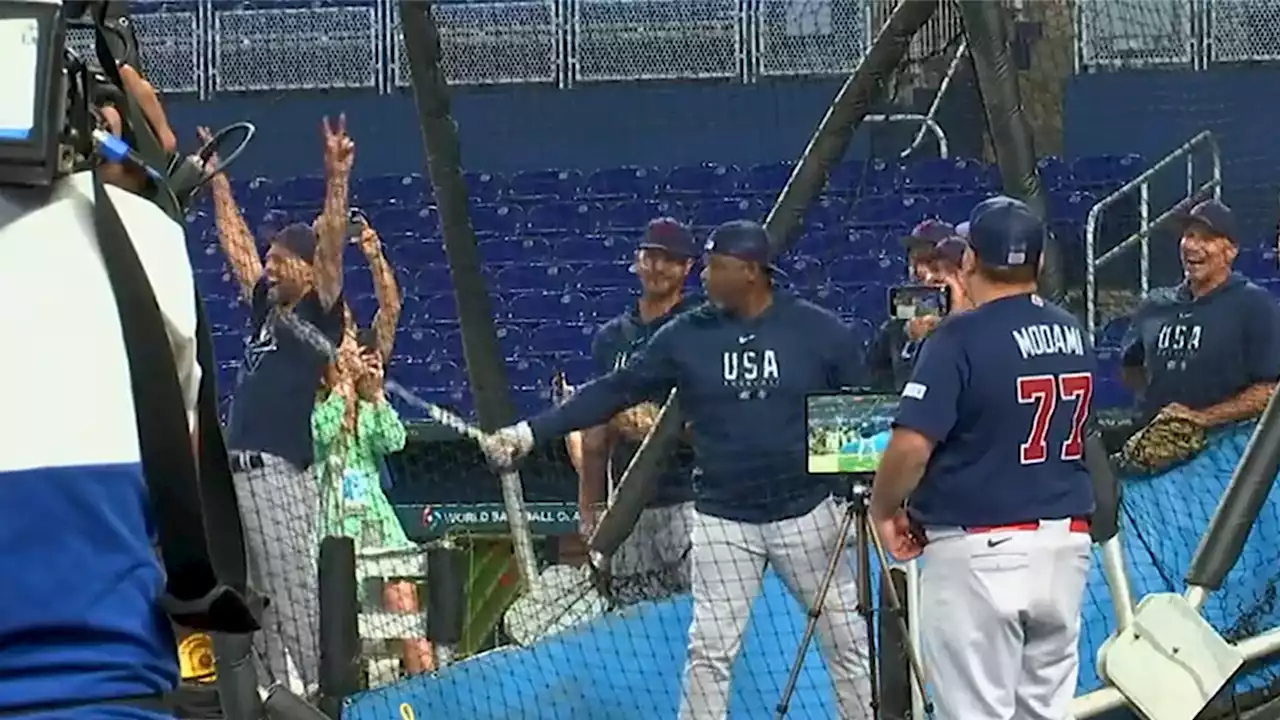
339,148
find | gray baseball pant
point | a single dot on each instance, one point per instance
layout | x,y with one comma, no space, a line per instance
729,560
653,562
279,504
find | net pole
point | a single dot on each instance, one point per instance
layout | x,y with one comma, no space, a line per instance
486,372
827,146
988,32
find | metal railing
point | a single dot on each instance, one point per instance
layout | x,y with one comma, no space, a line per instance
1146,224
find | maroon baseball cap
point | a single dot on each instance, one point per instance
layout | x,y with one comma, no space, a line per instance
926,236
670,235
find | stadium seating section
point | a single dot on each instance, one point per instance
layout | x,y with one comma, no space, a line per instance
556,246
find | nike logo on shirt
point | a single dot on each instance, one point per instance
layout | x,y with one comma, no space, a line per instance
996,542
744,339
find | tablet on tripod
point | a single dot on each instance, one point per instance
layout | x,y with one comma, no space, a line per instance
847,432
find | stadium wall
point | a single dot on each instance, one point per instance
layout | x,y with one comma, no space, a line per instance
1152,112
506,129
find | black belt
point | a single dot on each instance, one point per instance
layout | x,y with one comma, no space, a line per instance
160,704
246,461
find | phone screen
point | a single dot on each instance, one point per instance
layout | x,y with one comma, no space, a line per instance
913,301
847,433
355,224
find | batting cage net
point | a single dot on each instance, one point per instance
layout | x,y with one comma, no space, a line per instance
477,298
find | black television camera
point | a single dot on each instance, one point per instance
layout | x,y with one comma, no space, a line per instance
52,125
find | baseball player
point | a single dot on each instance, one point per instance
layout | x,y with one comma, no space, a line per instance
988,442
743,364
653,561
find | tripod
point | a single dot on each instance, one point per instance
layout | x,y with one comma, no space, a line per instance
855,516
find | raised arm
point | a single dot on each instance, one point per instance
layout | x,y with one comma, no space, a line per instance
331,226
385,288
234,236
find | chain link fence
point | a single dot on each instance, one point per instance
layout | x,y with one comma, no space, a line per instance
1244,30
655,39
295,48
496,43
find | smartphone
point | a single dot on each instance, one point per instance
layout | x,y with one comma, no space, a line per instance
846,433
355,224
913,301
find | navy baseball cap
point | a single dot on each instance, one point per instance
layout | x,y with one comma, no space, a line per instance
951,250
1005,232
298,239
745,240
670,235
1213,215
927,235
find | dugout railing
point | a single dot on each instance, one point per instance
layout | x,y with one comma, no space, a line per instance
1140,189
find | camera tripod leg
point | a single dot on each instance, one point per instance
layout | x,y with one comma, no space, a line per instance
897,609
852,515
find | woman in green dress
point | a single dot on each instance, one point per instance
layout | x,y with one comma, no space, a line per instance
354,427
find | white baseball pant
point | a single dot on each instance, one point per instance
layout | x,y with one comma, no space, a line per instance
728,563
1001,620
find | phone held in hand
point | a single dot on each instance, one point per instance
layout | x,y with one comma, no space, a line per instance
913,301
355,224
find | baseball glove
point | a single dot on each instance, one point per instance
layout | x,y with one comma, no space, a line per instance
1166,442
634,423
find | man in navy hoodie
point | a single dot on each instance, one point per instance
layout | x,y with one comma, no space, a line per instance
1208,350
653,561
743,365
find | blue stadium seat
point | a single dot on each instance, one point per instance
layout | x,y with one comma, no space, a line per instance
577,368
1054,173
1104,172
422,221
1070,205
362,301
633,215
590,248
436,372
513,249
603,304
831,297
430,279
941,175
705,180
561,217
228,346
538,305
451,342
528,373
767,179
258,192
410,251
435,307
800,268
621,183
544,185
408,190
882,270
565,337
826,212
511,339
299,192
496,219
889,210
605,275
955,208
1257,263
484,187
1113,332
862,178
710,213
532,277
869,299
415,344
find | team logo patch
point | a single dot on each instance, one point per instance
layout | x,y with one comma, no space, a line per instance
914,390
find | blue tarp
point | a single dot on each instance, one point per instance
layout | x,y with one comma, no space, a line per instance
627,666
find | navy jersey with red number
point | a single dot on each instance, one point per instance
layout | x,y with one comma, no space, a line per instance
1005,392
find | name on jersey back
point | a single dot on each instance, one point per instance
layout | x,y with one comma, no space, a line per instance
1054,339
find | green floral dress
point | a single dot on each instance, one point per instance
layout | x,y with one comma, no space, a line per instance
351,498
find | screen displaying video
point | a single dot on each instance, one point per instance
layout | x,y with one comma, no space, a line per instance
847,433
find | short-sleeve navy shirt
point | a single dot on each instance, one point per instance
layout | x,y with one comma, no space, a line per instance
1004,391
612,346
1202,351
278,378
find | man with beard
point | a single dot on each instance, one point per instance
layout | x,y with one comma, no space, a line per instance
269,433
653,561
